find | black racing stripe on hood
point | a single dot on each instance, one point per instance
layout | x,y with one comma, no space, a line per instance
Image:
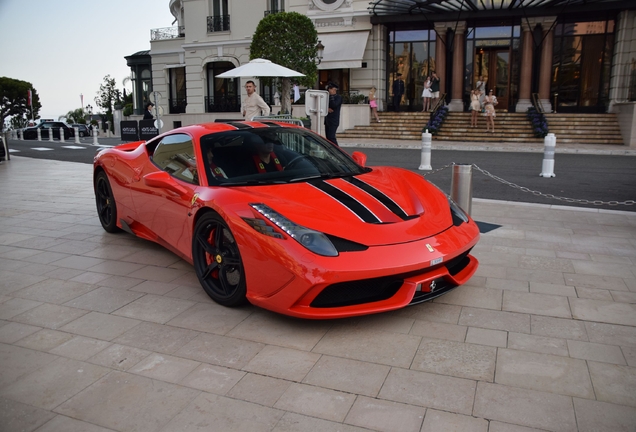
380,196
348,201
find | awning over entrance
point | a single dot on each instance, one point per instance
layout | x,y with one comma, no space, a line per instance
343,50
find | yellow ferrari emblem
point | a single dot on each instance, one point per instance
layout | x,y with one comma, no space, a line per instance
218,259
430,248
194,199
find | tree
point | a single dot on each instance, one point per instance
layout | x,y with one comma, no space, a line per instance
75,116
14,96
289,39
107,96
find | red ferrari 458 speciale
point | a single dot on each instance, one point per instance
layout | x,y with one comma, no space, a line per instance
276,215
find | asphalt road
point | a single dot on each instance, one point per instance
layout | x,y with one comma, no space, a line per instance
583,177
586,177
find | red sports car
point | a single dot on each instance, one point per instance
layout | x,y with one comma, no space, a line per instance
274,214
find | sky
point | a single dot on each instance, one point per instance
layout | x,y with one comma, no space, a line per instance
65,48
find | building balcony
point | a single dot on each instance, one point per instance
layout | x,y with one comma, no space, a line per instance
177,106
222,104
167,33
218,23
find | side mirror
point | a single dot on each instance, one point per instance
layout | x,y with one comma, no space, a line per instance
359,157
162,179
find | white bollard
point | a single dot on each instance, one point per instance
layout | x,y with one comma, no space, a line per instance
13,134
547,170
21,134
61,134
95,133
50,130
425,164
39,134
76,131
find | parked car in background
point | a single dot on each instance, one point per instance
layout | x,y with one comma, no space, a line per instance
82,130
46,126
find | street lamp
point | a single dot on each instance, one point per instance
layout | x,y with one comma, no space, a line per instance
320,49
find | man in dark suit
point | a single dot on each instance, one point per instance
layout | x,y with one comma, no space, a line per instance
398,91
148,113
332,120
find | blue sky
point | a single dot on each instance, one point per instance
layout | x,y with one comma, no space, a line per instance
66,47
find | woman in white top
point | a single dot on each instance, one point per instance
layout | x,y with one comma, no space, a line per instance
475,107
481,86
489,110
426,94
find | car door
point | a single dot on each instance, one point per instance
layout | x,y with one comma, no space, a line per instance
45,129
163,196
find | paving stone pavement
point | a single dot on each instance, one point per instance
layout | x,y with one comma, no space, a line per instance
103,332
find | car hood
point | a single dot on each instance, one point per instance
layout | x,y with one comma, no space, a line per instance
384,206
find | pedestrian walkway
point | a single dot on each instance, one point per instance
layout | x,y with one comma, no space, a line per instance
107,332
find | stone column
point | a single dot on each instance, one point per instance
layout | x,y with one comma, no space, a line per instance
545,73
457,102
526,67
440,54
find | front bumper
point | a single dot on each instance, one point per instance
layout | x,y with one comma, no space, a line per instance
379,279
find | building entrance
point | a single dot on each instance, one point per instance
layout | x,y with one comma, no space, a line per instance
494,65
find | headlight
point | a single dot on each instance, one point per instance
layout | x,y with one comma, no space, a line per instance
459,216
315,241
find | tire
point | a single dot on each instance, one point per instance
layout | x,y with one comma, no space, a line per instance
106,206
217,261
82,134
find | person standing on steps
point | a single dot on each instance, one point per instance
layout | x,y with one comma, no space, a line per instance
398,92
489,110
475,107
434,89
373,103
427,94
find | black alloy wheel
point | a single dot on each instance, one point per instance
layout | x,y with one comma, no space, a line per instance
106,206
217,261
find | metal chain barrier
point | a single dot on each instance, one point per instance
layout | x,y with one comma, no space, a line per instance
538,193
439,169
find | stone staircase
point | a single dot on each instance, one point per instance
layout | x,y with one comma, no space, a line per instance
510,127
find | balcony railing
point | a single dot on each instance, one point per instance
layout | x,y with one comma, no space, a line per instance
273,11
167,33
218,23
222,104
177,106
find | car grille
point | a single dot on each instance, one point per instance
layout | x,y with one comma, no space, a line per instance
357,292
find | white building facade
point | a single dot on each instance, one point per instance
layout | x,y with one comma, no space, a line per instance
212,36
577,57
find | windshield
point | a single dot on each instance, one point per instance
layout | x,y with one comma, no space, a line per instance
272,155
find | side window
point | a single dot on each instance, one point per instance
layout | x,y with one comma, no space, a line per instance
175,155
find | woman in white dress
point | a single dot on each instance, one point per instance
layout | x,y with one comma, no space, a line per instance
426,94
475,107
489,110
481,86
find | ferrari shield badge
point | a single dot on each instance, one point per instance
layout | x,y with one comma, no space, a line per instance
194,199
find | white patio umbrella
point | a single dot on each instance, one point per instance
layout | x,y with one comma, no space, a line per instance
260,68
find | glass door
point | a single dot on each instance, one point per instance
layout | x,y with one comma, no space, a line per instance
494,65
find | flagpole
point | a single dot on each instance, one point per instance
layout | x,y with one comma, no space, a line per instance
31,104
